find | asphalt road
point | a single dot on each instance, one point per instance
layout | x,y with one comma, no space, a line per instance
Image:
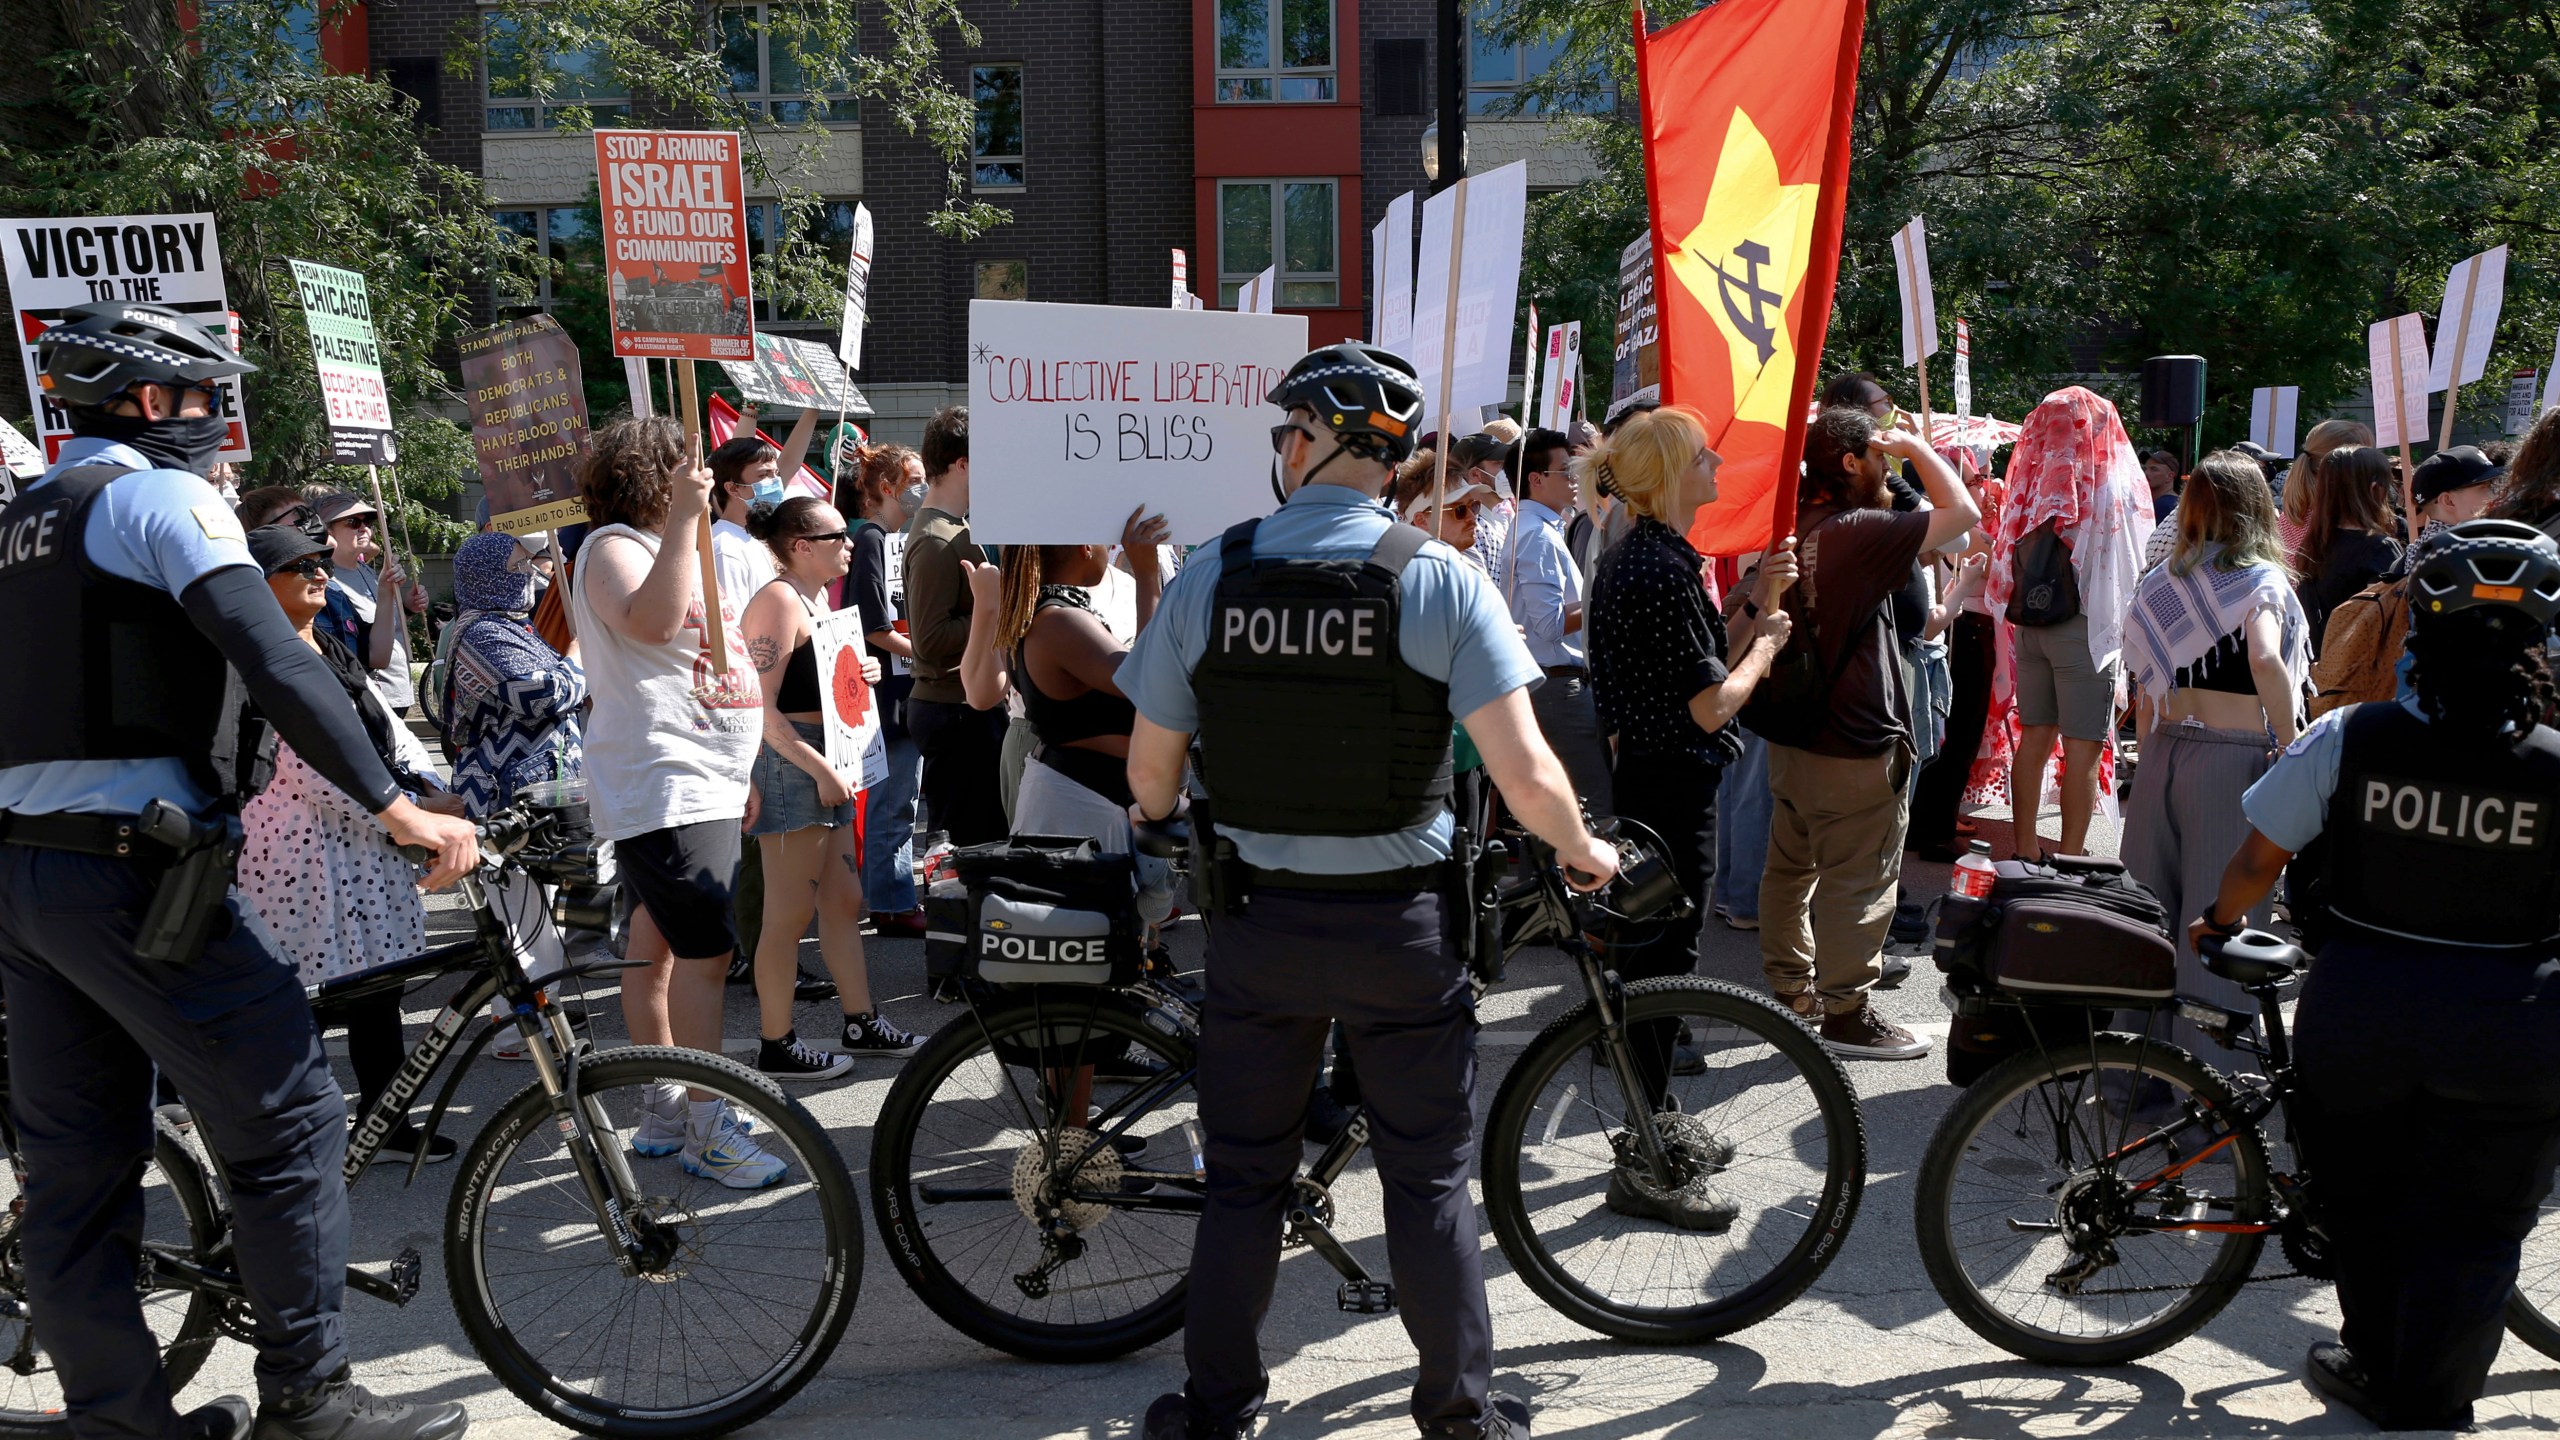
1869,1351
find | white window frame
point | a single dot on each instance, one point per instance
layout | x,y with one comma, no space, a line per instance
1020,160
1275,75
764,97
1231,280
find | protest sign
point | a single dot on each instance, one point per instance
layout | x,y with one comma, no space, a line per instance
2397,350
802,374
857,289
1392,326
19,454
339,315
1529,371
1964,371
170,260
528,422
1919,303
1466,291
1558,397
1079,414
2465,328
1259,295
635,375
1181,280
2551,377
2520,411
2272,423
1638,360
853,749
675,253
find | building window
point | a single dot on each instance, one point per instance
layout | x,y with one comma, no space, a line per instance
765,74
1289,223
237,88
1004,280
830,227
1496,72
578,78
1275,50
995,151
566,234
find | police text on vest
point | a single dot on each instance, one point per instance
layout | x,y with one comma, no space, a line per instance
1300,630
2446,812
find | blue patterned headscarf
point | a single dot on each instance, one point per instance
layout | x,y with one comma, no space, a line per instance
482,581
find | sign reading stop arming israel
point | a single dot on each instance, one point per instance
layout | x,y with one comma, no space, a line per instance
337,312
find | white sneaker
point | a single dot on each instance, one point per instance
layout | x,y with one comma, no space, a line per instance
661,1129
716,1147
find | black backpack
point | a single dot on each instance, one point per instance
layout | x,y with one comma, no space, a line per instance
2047,590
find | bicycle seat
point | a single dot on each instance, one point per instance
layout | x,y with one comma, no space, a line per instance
1166,839
2252,957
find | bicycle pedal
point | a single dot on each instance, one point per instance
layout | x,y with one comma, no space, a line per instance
1366,1297
406,1270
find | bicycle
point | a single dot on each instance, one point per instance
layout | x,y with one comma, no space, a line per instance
581,1265
2097,1200
1060,1235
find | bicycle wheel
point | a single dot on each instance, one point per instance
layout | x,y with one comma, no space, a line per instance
2052,1251
175,1212
741,1294
1766,1088
2537,1293
1046,1234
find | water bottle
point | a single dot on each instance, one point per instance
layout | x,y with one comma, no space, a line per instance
1973,874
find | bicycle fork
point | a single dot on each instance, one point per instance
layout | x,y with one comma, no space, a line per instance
1608,997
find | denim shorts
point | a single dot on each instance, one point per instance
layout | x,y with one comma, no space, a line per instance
787,797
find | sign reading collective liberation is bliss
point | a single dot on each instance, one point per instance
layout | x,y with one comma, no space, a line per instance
171,260
1081,413
340,318
675,243
528,422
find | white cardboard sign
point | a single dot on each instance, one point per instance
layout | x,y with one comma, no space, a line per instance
1964,371
1181,281
18,453
2520,411
172,260
2551,377
1081,413
2397,350
1392,326
1556,398
1476,351
635,374
857,289
1919,304
1259,295
1529,368
337,310
852,713
2473,292
2273,412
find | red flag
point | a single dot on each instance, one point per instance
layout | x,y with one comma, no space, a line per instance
1746,153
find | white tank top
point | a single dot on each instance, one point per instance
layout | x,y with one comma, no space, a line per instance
666,744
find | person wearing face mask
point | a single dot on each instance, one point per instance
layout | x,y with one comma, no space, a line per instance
746,473
151,599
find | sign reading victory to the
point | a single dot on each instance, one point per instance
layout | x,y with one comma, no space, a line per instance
340,318
1079,414
675,243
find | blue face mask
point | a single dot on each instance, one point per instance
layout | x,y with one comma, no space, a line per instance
767,492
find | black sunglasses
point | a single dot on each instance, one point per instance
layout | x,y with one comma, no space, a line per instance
310,567
829,535
1280,437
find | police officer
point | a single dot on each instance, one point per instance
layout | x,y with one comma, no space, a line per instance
129,590
2429,1037
1319,658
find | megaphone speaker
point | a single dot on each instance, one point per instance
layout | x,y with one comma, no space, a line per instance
2172,390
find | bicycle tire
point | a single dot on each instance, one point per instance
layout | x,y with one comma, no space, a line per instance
501,1344
1802,1260
1981,1106
187,1347
2537,1293
905,1218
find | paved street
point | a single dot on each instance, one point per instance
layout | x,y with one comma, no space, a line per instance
1868,1352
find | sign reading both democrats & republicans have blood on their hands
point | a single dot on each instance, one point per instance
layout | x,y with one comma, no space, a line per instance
528,422
1079,414
339,315
675,244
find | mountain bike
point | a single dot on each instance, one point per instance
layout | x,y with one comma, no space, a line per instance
1060,1229
604,1283
2101,1195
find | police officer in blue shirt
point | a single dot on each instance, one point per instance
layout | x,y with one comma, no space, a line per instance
132,605
2428,1038
1319,656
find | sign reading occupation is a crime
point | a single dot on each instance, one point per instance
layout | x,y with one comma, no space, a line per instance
337,312
1081,413
171,260
675,244
528,422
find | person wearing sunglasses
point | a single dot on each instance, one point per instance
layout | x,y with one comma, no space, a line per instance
123,537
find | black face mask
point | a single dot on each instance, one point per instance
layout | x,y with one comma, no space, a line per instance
188,444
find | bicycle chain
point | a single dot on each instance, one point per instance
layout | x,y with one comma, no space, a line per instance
2166,1289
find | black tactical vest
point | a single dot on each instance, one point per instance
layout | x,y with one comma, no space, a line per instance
1310,721
105,668
2455,844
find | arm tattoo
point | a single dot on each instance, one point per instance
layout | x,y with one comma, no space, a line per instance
765,651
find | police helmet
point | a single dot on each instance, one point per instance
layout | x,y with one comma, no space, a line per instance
1368,397
99,350
2501,568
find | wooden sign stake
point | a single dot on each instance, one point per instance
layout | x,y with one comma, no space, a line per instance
2400,417
714,637
2453,367
1449,346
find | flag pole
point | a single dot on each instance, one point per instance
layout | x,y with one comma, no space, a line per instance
715,640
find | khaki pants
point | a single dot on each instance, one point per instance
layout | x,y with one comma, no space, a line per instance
1835,848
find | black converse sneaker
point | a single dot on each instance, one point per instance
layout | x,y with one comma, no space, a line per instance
868,1034
790,1059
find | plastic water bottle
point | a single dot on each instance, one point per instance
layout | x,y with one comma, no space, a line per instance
1973,874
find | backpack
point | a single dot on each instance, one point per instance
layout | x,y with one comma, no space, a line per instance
2047,589
2360,648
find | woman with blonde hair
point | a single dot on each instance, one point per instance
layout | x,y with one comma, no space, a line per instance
1666,673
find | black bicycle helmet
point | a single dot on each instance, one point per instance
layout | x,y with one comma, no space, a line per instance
1368,397
2498,567
99,350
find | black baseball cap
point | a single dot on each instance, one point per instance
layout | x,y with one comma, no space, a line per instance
2446,471
276,546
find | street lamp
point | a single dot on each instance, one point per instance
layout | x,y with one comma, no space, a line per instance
1431,152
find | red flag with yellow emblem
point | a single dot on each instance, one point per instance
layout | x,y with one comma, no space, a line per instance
1746,157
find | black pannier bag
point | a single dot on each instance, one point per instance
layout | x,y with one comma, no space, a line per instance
2062,941
1035,910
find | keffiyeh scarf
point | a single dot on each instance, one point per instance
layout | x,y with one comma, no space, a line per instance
2178,621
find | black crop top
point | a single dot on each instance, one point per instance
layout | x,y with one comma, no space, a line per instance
799,693
1058,722
2224,669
